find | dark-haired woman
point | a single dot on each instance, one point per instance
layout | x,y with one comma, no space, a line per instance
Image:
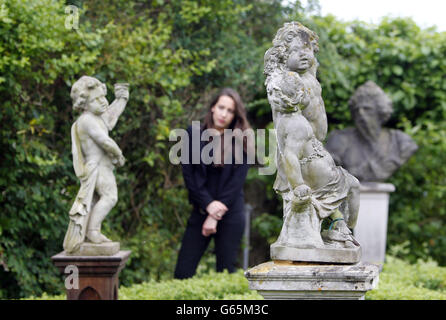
216,191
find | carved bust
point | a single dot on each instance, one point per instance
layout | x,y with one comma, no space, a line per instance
370,152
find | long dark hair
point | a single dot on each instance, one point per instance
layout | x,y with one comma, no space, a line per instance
240,120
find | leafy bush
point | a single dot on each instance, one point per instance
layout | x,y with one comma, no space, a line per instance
402,281
206,286
417,214
211,286
268,226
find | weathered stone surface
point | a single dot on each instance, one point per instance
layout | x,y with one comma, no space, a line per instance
376,187
292,281
96,249
369,151
95,156
312,187
332,255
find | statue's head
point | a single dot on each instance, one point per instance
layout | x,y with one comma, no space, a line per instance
88,93
294,48
370,106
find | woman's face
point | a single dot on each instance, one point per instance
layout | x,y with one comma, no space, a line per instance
223,112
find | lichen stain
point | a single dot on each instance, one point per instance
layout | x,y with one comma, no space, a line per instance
263,268
283,263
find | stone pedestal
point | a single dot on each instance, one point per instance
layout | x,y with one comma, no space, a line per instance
371,228
94,277
323,255
282,280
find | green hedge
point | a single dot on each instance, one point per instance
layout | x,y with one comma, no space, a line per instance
212,286
209,286
399,280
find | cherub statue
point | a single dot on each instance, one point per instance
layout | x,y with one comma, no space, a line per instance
95,155
312,186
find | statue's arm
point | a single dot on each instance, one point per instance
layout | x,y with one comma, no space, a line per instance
91,126
113,112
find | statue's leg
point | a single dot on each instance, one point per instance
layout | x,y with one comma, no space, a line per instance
344,218
352,203
108,196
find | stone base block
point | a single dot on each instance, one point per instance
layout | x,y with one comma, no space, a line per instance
280,280
96,249
91,277
326,255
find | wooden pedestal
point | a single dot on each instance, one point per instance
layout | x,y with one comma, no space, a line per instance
96,277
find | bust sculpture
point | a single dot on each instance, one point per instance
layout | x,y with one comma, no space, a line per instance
313,188
369,151
95,155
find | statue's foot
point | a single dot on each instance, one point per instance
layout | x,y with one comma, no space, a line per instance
350,244
342,228
97,237
340,236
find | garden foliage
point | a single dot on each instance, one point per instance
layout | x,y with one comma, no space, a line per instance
400,280
175,54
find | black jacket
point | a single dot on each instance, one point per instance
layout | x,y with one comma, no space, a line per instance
206,183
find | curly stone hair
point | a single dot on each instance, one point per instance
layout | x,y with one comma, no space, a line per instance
275,57
80,91
372,92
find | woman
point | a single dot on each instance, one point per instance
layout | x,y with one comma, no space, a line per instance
216,192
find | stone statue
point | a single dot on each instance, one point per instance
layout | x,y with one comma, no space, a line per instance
313,188
95,155
368,151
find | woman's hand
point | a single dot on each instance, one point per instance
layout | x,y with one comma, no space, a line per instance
216,209
209,226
